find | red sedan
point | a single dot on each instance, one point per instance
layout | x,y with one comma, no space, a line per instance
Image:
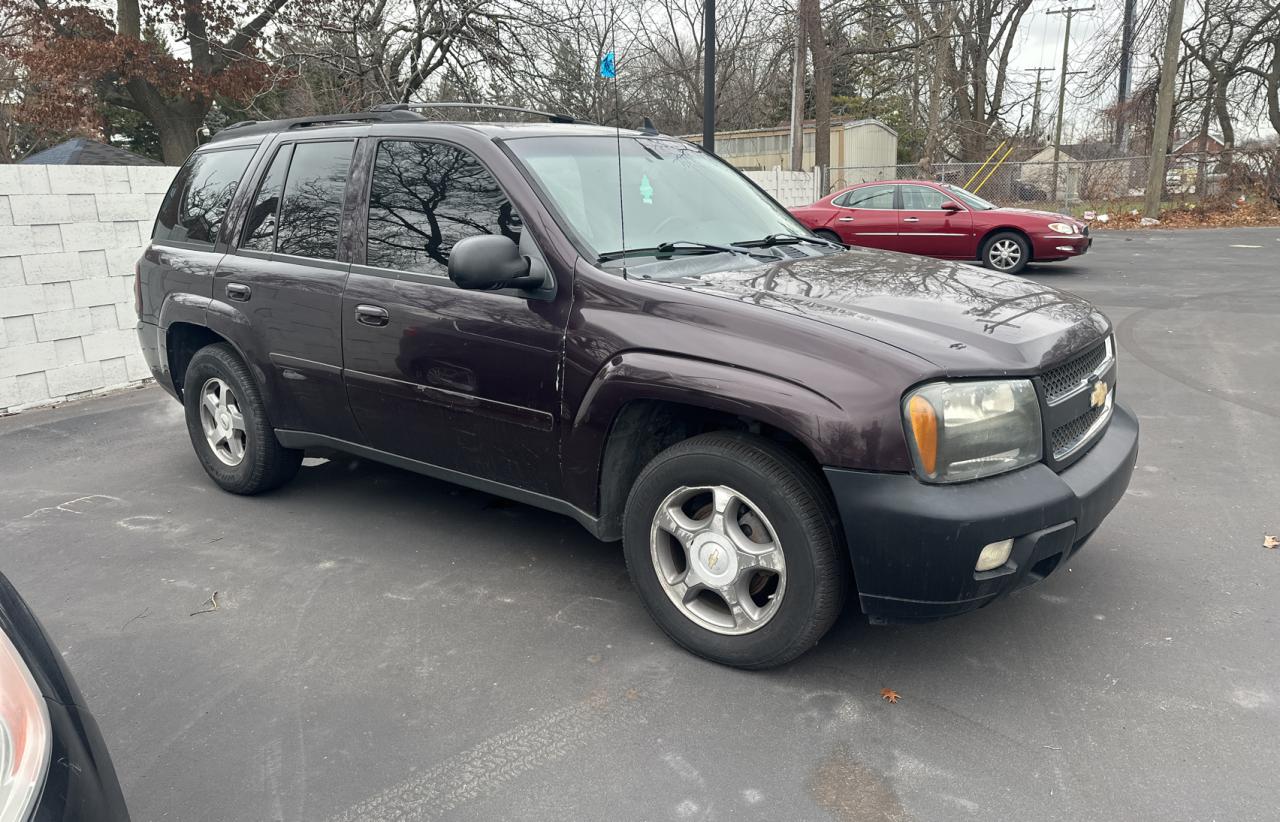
941,220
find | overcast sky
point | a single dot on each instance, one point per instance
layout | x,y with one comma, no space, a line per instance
1040,44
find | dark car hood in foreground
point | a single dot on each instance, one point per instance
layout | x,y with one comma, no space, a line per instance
958,317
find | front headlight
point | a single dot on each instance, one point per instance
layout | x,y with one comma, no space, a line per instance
25,736
1062,228
965,430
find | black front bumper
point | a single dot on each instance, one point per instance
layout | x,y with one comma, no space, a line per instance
914,546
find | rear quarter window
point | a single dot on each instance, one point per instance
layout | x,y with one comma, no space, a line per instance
197,201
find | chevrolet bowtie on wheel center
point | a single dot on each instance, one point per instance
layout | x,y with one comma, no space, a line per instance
620,327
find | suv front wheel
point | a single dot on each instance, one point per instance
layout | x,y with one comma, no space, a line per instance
228,425
731,541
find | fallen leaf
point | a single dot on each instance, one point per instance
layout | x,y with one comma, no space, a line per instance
890,695
1270,541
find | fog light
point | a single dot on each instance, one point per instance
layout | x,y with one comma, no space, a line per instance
1066,248
994,555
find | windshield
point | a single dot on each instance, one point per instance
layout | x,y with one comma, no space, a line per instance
969,198
672,193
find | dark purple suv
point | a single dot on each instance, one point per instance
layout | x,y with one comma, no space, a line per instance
624,329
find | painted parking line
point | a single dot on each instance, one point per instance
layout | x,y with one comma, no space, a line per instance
1241,245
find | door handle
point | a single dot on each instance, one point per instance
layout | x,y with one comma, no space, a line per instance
238,291
372,315
910,219
846,219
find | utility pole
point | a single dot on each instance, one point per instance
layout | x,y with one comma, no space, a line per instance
1164,108
709,75
1035,108
1070,12
1126,67
797,98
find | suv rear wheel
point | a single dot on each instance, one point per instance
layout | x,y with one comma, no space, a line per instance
228,425
731,541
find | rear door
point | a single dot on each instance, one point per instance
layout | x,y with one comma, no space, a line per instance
924,228
866,217
183,254
463,380
286,278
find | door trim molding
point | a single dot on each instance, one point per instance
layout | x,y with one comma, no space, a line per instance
459,401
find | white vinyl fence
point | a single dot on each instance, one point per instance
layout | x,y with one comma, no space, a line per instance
791,188
69,238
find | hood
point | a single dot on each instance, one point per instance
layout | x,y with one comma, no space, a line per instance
960,318
1047,215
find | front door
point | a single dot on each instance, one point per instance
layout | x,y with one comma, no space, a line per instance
865,217
925,228
460,379
286,278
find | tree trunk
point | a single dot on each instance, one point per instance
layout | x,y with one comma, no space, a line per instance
1223,109
178,138
1273,86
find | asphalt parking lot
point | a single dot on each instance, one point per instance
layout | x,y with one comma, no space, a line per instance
391,647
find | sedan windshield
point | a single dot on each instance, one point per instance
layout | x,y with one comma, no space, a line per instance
674,199
969,198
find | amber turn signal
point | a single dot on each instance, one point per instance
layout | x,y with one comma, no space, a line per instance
924,426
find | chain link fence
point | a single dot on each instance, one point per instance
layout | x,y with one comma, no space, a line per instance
1108,183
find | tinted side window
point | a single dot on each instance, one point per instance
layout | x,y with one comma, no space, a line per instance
424,198
199,196
869,197
260,227
311,208
919,198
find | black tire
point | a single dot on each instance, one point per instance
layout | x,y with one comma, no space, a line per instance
829,235
992,259
265,463
796,503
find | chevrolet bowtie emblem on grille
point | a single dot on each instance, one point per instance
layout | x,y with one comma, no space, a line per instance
1099,394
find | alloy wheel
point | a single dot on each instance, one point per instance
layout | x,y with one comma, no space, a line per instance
1005,254
222,421
718,559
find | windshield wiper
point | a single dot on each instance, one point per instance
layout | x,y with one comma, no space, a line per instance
683,247
781,239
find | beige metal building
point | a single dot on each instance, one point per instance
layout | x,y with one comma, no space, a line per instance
868,144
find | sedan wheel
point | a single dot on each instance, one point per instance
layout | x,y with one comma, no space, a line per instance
1006,252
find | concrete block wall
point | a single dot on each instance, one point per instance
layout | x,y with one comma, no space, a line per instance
69,238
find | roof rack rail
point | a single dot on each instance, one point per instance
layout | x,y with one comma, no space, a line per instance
551,116
245,128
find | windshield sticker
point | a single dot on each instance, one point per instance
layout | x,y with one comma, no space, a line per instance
646,190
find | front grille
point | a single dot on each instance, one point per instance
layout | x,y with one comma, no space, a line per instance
1066,437
1066,378
1085,232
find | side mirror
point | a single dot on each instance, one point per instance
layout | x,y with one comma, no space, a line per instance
951,205
490,261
